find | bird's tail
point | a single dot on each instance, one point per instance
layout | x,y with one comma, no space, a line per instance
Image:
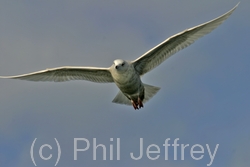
150,91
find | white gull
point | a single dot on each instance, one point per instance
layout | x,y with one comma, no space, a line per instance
127,74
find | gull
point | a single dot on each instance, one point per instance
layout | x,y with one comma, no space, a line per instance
127,74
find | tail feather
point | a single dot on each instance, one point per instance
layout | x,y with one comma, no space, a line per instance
150,91
120,98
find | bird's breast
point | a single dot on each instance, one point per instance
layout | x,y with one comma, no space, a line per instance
128,82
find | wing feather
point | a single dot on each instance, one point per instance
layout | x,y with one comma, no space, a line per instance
175,43
62,74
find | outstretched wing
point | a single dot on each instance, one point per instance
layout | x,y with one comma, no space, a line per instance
61,74
170,46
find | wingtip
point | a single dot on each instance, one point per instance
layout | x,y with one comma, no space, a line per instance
7,77
3,77
232,10
236,5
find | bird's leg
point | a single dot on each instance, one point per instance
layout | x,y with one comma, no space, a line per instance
140,102
135,105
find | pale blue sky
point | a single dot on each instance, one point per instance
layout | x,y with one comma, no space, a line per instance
204,96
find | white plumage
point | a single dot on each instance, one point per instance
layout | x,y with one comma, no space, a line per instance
126,74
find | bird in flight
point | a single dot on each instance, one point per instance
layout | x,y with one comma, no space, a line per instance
127,74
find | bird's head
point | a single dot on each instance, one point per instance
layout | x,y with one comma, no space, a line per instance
120,65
